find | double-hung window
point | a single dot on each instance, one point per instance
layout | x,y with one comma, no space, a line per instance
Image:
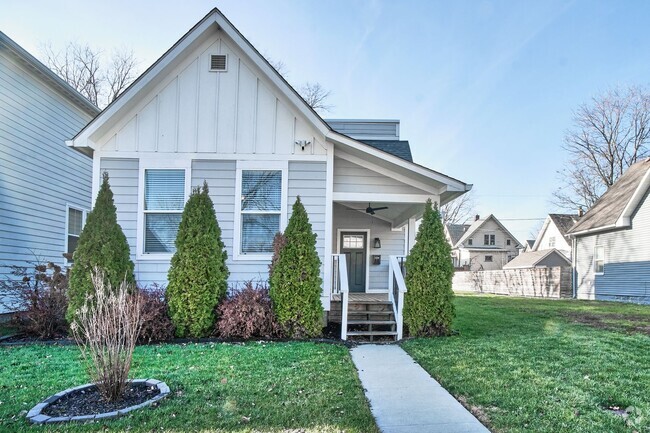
260,210
599,259
488,239
75,223
164,198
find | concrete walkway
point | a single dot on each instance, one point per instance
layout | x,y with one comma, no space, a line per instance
404,398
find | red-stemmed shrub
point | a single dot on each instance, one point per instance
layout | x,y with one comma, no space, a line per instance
38,294
247,313
154,311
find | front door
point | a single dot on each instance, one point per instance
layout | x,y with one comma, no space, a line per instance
355,246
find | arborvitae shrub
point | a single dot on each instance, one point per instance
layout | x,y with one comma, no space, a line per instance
428,304
279,241
102,245
295,280
198,274
247,313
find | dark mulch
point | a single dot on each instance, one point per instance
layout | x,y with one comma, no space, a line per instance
89,402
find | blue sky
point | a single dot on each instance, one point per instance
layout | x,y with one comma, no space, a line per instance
485,89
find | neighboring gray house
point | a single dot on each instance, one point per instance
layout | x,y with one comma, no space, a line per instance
45,187
538,259
612,241
212,108
485,245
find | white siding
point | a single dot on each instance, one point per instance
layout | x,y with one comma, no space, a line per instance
39,174
351,177
627,261
195,110
392,242
560,242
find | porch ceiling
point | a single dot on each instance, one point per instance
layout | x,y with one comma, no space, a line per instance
397,213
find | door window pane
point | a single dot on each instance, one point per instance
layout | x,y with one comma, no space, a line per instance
353,241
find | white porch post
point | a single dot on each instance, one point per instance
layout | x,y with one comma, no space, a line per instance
411,234
329,224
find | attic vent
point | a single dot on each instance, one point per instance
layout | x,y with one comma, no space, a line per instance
218,62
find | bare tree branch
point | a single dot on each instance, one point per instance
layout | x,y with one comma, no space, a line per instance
81,67
609,134
459,210
316,96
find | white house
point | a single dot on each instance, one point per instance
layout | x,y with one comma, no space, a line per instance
483,246
554,233
45,186
212,108
611,242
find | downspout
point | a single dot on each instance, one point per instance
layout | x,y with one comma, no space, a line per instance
574,270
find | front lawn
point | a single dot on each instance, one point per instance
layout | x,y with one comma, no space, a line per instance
215,388
529,365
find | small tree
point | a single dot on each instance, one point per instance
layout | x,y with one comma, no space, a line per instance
198,276
295,280
102,244
428,306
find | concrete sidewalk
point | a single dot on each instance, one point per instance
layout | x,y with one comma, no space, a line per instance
404,398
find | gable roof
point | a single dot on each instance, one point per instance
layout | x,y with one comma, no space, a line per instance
477,224
450,187
615,208
456,231
531,259
399,148
47,75
563,222
530,242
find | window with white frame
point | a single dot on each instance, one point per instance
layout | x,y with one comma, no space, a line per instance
260,211
164,198
76,219
599,259
489,239
551,242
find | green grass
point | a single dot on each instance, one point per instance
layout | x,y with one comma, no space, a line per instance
529,365
215,388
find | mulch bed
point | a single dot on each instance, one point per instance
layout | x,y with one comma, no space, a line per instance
88,401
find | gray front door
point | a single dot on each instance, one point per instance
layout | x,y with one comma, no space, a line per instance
355,246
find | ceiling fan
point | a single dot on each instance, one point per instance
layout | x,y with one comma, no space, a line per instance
371,210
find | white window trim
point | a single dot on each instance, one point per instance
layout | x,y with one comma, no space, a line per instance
157,164
84,214
282,166
603,260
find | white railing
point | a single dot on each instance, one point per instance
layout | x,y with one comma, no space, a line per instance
340,287
396,290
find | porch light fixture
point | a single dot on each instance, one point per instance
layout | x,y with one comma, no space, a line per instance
303,143
377,243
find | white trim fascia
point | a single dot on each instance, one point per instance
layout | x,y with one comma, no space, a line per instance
625,219
212,155
594,230
541,233
344,140
379,197
97,177
338,250
282,166
387,172
160,163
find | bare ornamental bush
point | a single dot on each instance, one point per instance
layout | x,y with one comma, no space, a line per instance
106,328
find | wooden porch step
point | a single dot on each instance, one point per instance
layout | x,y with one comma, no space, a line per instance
371,322
369,302
371,333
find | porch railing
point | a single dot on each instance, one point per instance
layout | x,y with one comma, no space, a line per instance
396,290
340,287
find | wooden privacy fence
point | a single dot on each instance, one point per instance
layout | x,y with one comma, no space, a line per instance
534,282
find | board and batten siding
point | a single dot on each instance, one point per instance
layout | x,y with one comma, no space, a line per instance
39,174
306,178
627,261
351,177
195,110
392,241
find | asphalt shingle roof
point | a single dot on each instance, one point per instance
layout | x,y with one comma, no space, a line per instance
456,231
399,148
530,259
610,206
564,222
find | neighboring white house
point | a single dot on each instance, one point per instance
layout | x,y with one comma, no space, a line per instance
612,241
484,245
212,108
45,187
554,233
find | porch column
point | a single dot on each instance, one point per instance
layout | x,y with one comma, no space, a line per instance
411,233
